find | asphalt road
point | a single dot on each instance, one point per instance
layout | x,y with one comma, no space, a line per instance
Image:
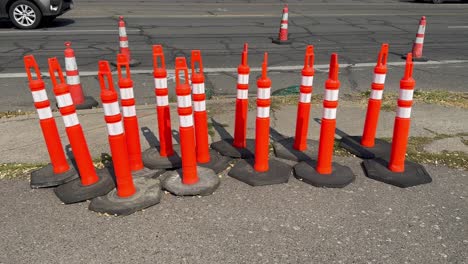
354,30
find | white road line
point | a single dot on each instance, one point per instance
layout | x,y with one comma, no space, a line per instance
259,69
457,26
23,32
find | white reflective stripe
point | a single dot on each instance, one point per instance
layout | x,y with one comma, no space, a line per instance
122,32
64,100
186,120
419,40
160,83
403,112
126,93
184,101
70,120
115,129
284,26
263,111
329,113
379,78
376,94
263,93
285,16
307,80
111,109
242,94
124,43
39,96
198,88
129,111
199,106
243,79
305,97
405,94
73,80
162,100
44,113
421,29
331,95
70,64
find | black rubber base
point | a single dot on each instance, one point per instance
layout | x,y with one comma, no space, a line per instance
147,173
414,174
74,191
280,42
225,148
278,172
148,193
217,163
208,182
153,160
45,177
339,178
284,149
422,59
89,102
380,149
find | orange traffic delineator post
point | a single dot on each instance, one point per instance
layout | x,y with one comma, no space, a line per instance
73,81
123,43
300,148
239,146
59,170
92,182
396,170
205,157
129,196
367,146
418,43
190,179
130,119
261,170
283,37
166,155
323,172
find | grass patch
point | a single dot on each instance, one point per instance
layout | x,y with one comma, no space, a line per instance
10,114
17,170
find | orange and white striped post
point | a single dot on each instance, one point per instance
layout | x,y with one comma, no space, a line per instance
72,125
132,133
262,122
375,99
402,119
283,31
328,124
123,42
418,44
186,129
60,167
200,116
396,170
323,172
242,101
162,102
305,96
116,136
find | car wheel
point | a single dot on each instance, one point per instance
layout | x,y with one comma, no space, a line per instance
25,15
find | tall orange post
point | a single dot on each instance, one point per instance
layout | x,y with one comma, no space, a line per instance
397,170
323,172
58,171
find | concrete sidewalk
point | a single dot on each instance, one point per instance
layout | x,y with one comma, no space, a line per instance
366,222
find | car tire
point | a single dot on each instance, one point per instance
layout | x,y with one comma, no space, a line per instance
25,15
